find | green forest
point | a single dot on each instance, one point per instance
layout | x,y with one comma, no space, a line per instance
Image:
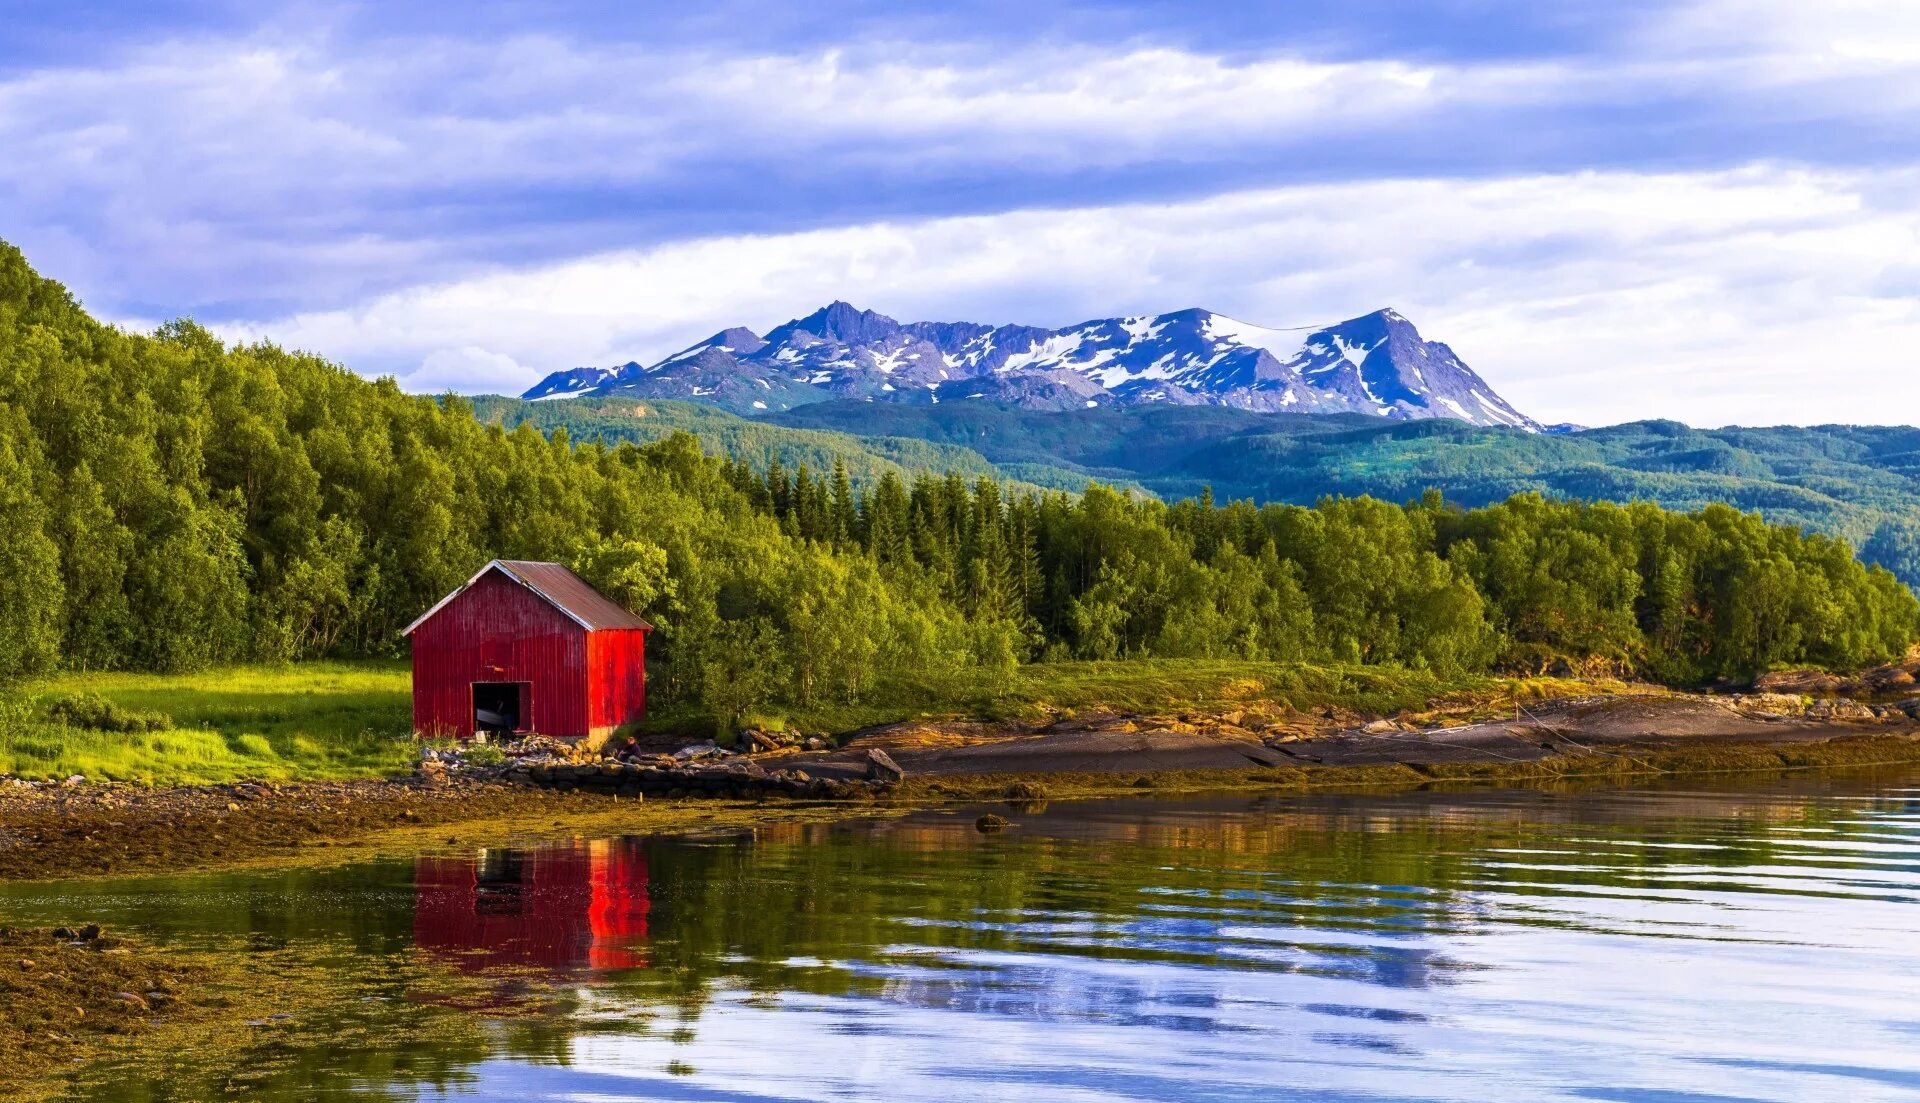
1858,482
168,504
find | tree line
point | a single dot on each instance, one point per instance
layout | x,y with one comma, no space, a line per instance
1529,583
169,503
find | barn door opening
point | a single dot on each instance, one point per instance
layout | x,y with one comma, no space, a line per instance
499,707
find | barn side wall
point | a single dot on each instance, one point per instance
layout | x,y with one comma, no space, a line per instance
499,631
617,686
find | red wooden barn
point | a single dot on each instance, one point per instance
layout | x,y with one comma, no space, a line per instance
527,647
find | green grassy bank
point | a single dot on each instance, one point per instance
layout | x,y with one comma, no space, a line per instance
320,720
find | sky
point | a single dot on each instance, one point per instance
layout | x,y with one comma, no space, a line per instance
1706,210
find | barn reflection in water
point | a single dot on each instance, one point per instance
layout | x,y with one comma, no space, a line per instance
574,906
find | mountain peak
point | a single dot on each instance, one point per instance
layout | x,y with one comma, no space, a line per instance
838,321
1375,363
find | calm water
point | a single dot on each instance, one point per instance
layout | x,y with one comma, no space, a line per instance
1663,945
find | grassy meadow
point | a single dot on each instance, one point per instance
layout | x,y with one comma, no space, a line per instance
310,720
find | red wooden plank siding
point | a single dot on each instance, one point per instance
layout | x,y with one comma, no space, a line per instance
617,678
498,623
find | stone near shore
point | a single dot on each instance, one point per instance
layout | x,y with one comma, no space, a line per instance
1881,681
882,768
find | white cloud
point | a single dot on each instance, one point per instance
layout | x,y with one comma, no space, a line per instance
293,171
466,369
214,125
541,108
1089,107
301,169
1787,28
1758,295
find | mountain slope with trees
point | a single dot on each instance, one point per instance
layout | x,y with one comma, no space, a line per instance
1857,482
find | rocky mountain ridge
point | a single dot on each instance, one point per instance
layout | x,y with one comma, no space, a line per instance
1375,364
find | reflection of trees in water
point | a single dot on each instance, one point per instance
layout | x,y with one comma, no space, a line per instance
827,910
1348,886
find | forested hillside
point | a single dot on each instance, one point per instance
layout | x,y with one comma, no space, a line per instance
1860,483
167,503
754,440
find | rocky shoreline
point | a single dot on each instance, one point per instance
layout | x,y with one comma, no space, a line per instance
1255,736
72,829
738,780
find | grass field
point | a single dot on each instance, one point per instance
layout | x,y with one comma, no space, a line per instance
312,720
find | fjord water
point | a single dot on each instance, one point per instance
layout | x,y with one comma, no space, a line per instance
1745,941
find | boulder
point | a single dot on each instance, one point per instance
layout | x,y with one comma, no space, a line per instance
1797,681
1890,679
882,768
1784,704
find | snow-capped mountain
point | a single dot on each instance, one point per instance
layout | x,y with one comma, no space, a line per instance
1375,364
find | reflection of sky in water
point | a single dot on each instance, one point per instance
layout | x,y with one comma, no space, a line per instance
1650,946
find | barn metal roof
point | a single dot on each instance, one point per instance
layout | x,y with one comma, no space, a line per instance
560,587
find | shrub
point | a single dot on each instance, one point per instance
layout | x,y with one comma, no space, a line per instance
96,713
